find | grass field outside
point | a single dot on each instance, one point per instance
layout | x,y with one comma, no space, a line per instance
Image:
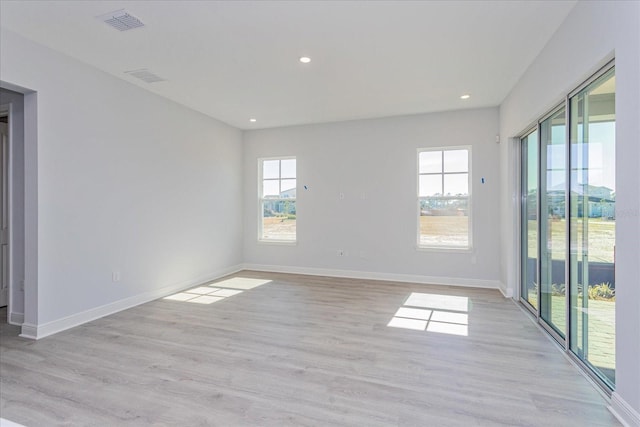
279,228
454,231
602,238
444,230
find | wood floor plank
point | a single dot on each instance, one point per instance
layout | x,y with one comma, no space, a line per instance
299,351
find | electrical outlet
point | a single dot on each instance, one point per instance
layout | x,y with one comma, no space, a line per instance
340,252
115,276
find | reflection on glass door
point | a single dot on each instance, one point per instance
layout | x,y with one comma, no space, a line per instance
553,225
529,220
592,226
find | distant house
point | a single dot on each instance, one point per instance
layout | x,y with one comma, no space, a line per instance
601,201
288,194
280,205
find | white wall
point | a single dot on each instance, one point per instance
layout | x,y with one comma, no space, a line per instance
377,159
593,32
128,182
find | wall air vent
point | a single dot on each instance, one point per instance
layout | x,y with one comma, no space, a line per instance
121,20
145,75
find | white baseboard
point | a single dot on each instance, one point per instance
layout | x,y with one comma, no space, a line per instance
627,416
392,277
16,319
43,330
59,325
29,331
507,292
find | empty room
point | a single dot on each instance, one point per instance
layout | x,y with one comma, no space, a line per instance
464,173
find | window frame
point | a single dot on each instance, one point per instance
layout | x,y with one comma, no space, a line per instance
436,247
261,199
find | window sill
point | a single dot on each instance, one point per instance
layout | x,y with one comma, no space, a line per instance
450,249
277,242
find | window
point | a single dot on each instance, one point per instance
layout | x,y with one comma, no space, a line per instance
444,202
277,199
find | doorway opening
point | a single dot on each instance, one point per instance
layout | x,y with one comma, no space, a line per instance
16,104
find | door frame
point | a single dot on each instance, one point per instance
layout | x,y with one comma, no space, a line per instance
6,111
27,281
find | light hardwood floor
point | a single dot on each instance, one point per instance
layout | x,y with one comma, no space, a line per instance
298,351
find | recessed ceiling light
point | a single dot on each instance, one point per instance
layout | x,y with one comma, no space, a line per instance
305,59
252,120
466,96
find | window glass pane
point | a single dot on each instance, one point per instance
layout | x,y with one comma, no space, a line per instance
278,207
529,220
288,188
556,151
430,185
443,189
271,188
456,161
271,169
444,222
553,223
279,220
288,168
456,184
430,161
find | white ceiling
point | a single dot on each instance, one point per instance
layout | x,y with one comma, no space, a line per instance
234,60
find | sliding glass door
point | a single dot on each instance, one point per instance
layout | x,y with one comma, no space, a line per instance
543,222
568,224
593,222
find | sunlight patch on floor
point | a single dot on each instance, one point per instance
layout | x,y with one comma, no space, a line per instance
218,291
444,314
244,283
404,323
202,290
438,302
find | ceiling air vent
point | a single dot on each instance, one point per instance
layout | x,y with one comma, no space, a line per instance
121,20
145,75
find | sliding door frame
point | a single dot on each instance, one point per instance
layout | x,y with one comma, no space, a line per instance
563,341
522,209
566,342
537,311
584,364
